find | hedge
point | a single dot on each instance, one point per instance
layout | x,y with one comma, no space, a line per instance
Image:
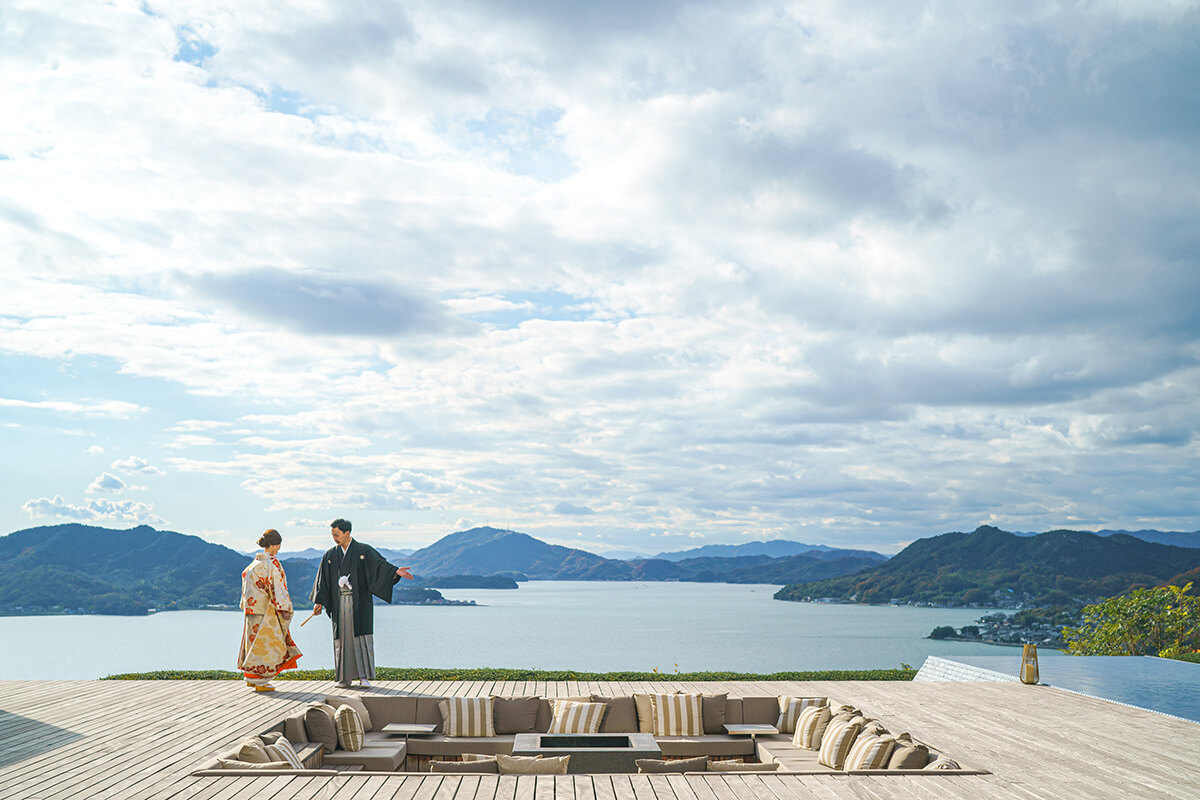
905,673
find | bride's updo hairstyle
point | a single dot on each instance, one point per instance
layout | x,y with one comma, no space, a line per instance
271,537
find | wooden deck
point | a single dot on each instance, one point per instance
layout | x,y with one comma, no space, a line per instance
115,739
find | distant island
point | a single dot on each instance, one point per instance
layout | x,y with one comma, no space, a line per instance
994,568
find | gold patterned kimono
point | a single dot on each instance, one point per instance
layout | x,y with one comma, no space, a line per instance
267,647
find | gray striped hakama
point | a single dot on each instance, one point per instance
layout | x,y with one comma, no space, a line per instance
353,656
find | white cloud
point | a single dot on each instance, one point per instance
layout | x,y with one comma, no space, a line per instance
136,464
95,450
106,483
96,408
94,510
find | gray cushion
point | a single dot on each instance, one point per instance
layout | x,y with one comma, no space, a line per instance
486,766
909,755
621,716
723,745
375,757
741,766
515,714
439,745
654,765
712,712
760,710
320,727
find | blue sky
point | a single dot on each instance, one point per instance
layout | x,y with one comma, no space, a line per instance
627,276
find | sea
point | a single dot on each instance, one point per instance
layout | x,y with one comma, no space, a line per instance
580,625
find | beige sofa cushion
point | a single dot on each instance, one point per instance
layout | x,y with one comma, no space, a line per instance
282,750
655,765
716,745
712,712
870,752
908,754
350,731
515,714
532,765
480,766
439,745
572,717
645,712
940,763
677,715
252,751
810,727
467,716
760,710
375,756
790,708
741,766
364,716
621,716
838,739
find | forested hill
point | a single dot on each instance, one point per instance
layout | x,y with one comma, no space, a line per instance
994,567
94,570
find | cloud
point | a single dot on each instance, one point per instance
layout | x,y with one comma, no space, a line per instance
108,483
99,408
738,270
136,464
320,304
95,450
566,508
94,510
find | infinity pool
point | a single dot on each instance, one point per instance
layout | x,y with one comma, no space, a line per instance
1157,684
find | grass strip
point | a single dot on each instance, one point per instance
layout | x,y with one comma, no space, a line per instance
502,674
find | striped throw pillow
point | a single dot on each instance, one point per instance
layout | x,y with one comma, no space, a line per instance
790,708
570,717
941,762
677,714
838,739
282,750
467,716
870,752
349,728
810,727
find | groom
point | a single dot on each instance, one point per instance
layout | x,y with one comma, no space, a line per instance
349,574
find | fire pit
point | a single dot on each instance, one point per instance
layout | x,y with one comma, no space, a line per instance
590,752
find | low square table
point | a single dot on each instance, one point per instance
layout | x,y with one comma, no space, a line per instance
407,729
590,752
750,730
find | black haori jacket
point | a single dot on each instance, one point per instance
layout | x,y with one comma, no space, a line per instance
369,573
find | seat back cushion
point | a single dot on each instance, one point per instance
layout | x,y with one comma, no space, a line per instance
677,715
385,709
532,765
838,739
712,712
760,710
741,766
810,727
621,716
571,717
870,752
790,708
467,716
515,714
364,716
485,766
350,730
655,765
320,727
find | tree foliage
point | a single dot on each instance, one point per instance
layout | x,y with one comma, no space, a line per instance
1161,621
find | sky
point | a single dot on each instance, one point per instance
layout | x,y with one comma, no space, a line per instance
628,276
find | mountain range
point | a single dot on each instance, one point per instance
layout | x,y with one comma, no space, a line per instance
489,551
994,567
102,571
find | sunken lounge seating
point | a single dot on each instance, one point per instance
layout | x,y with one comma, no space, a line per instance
381,751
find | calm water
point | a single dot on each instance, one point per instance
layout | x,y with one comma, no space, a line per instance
543,625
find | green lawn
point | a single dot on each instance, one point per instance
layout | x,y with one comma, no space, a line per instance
905,673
